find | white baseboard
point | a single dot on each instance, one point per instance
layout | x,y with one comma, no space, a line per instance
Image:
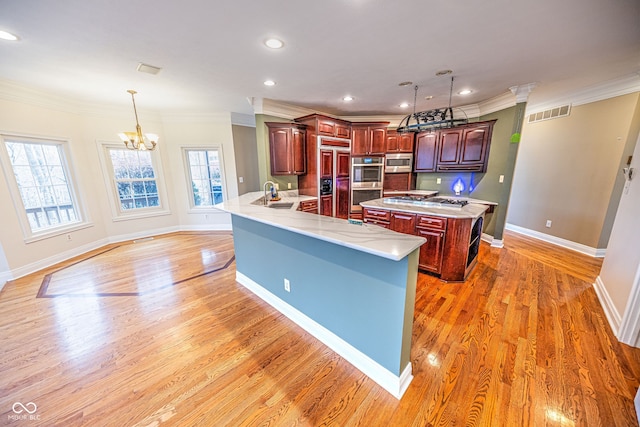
578,247
609,308
495,243
396,385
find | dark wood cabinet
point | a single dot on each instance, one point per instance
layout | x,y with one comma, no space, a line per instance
343,165
460,149
368,139
287,148
379,217
433,229
403,222
310,206
403,181
426,152
326,205
342,197
399,142
328,126
326,164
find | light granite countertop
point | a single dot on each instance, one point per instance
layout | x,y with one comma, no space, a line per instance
367,238
474,209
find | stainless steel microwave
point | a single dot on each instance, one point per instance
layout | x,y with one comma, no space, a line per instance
397,163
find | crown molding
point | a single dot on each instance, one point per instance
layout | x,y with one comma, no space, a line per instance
279,109
609,89
497,103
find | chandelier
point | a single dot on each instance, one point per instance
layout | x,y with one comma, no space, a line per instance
439,118
136,140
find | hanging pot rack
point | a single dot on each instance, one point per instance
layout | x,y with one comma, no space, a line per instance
438,118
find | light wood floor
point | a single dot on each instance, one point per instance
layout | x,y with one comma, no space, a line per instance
158,333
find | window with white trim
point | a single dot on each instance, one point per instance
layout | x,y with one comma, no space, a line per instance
41,183
135,179
134,182
205,176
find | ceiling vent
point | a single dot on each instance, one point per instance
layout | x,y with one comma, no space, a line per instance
552,113
149,69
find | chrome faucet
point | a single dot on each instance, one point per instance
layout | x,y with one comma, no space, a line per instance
264,188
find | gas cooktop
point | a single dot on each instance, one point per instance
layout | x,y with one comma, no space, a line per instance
433,202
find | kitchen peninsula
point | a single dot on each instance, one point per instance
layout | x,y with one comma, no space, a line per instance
351,286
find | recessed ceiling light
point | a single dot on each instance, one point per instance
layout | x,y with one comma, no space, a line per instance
4,35
269,83
465,92
274,43
348,98
443,72
428,97
407,83
404,105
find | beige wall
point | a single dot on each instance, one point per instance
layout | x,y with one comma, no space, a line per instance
567,169
622,262
246,153
85,131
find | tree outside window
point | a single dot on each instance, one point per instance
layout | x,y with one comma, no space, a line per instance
206,176
135,179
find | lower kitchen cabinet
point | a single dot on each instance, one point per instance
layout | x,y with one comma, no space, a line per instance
342,198
326,205
310,206
403,222
431,250
377,216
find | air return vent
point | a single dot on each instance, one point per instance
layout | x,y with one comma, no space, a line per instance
552,113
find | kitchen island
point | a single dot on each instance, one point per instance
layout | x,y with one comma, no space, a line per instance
351,286
452,227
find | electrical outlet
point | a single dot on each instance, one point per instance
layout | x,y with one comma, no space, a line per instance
240,179
548,224
501,179
287,285
68,236
277,186
438,180
289,185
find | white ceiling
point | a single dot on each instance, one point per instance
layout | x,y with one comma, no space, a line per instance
213,59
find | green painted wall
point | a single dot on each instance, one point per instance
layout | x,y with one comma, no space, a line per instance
486,186
264,167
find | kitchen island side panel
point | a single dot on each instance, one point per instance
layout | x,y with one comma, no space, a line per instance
362,298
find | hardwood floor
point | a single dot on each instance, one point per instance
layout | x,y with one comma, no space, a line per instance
158,333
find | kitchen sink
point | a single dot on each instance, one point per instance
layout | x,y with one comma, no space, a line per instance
281,205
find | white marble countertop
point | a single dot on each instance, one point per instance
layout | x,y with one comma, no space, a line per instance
366,238
474,209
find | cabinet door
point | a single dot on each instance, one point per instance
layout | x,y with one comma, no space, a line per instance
359,139
342,197
343,130
474,145
403,222
426,152
326,205
392,142
343,165
326,127
377,140
431,251
405,142
279,142
299,159
449,151
326,164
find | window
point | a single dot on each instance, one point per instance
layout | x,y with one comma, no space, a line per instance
42,185
135,179
134,182
205,173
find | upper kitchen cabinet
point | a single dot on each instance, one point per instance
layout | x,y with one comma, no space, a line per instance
426,152
328,126
287,148
369,139
460,149
399,142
